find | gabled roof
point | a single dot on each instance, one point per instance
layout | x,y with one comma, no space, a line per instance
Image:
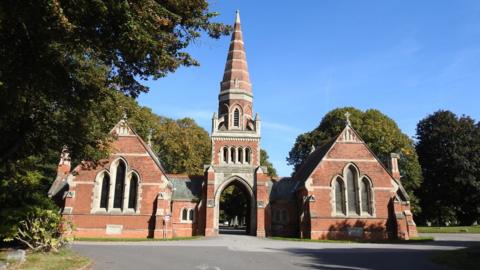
348,134
122,128
186,187
283,189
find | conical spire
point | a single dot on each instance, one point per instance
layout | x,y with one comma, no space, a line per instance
236,70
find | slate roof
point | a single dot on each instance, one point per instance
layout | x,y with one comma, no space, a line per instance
58,185
307,167
186,187
284,189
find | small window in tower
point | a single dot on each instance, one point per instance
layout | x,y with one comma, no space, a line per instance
247,155
225,155
236,118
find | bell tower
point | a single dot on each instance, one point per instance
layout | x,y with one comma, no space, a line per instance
236,144
235,132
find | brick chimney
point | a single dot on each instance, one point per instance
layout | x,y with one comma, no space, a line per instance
394,165
64,164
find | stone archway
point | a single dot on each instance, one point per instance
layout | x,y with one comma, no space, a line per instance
248,191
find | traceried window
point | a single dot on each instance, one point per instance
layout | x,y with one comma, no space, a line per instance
119,185
236,117
339,196
105,191
132,196
366,194
352,192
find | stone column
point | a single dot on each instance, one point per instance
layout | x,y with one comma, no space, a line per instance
262,200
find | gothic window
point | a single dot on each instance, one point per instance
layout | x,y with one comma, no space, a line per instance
240,155
184,214
225,154
247,155
339,196
104,191
236,117
190,214
132,196
232,155
366,194
119,185
352,193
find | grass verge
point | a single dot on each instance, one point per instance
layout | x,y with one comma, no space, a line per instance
115,239
461,259
451,229
412,240
65,259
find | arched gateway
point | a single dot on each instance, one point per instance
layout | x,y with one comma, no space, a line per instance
236,143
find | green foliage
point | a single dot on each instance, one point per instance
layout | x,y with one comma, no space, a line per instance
449,152
379,132
42,230
64,67
272,172
183,146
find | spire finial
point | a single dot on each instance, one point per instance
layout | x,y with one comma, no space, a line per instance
347,116
237,18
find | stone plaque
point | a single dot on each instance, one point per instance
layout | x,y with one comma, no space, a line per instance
355,232
114,229
210,203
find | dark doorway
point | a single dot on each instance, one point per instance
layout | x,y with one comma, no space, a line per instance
234,216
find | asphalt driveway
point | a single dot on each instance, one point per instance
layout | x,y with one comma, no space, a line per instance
246,252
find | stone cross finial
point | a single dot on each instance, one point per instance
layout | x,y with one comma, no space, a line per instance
347,116
124,117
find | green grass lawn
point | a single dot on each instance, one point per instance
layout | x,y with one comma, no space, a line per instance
114,239
462,259
413,240
452,229
65,259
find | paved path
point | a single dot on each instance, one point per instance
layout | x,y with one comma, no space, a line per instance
246,252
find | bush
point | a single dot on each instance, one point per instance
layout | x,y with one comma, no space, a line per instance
42,231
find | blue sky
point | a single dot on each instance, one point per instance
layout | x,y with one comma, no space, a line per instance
405,58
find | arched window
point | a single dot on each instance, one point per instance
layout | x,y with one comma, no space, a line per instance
240,155
132,196
105,191
339,196
190,214
225,154
184,214
119,185
232,155
247,155
366,196
352,191
236,117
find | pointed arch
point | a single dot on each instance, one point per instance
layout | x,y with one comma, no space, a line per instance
240,155
339,191
248,155
233,155
236,117
119,187
351,178
133,191
184,216
104,190
191,214
366,195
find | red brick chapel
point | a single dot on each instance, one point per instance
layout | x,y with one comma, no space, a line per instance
341,190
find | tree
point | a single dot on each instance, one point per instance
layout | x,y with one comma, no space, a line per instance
272,172
449,152
59,59
378,131
63,65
